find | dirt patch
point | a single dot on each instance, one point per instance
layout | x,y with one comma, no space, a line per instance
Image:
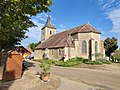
109,67
31,81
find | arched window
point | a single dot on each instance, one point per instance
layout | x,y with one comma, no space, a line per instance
84,47
50,32
96,47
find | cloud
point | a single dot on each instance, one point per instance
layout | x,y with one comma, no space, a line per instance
115,18
42,17
34,34
112,10
109,5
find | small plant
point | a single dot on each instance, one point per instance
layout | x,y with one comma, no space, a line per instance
45,75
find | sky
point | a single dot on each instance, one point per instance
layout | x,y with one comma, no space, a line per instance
104,15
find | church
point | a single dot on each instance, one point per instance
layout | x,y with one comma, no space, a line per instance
81,41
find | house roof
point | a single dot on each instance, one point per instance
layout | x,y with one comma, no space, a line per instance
23,48
48,24
58,40
64,39
85,29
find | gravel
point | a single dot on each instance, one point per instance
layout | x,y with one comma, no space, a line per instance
31,81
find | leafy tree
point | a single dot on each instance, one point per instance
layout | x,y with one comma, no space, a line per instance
33,45
116,55
110,45
15,19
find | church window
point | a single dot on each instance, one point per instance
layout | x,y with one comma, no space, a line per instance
50,32
96,47
84,47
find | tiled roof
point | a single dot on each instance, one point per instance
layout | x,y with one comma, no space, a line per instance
58,40
64,39
84,29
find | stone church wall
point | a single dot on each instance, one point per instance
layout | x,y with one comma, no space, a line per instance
38,54
76,51
87,37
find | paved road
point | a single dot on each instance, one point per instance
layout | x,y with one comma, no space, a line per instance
109,80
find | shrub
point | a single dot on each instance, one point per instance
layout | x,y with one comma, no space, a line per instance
107,62
59,63
97,62
45,67
86,60
94,62
79,58
89,62
49,61
68,63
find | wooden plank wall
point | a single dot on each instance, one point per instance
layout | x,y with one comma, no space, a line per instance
1,71
13,67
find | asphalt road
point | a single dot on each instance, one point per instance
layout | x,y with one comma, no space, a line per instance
109,80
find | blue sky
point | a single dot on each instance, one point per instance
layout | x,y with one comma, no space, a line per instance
65,14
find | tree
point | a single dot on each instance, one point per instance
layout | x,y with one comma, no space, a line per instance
33,45
15,19
110,45
116,55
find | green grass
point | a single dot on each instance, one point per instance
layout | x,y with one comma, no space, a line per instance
94,62
69,63
73,62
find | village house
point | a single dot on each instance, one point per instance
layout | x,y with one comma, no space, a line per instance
82,41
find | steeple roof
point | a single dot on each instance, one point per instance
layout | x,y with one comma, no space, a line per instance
48,23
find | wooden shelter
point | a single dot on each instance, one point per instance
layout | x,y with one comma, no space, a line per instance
12,66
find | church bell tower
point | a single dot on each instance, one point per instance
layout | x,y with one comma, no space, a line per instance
48,30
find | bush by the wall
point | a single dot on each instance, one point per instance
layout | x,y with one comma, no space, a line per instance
107,62
86,60
94,62
69,63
